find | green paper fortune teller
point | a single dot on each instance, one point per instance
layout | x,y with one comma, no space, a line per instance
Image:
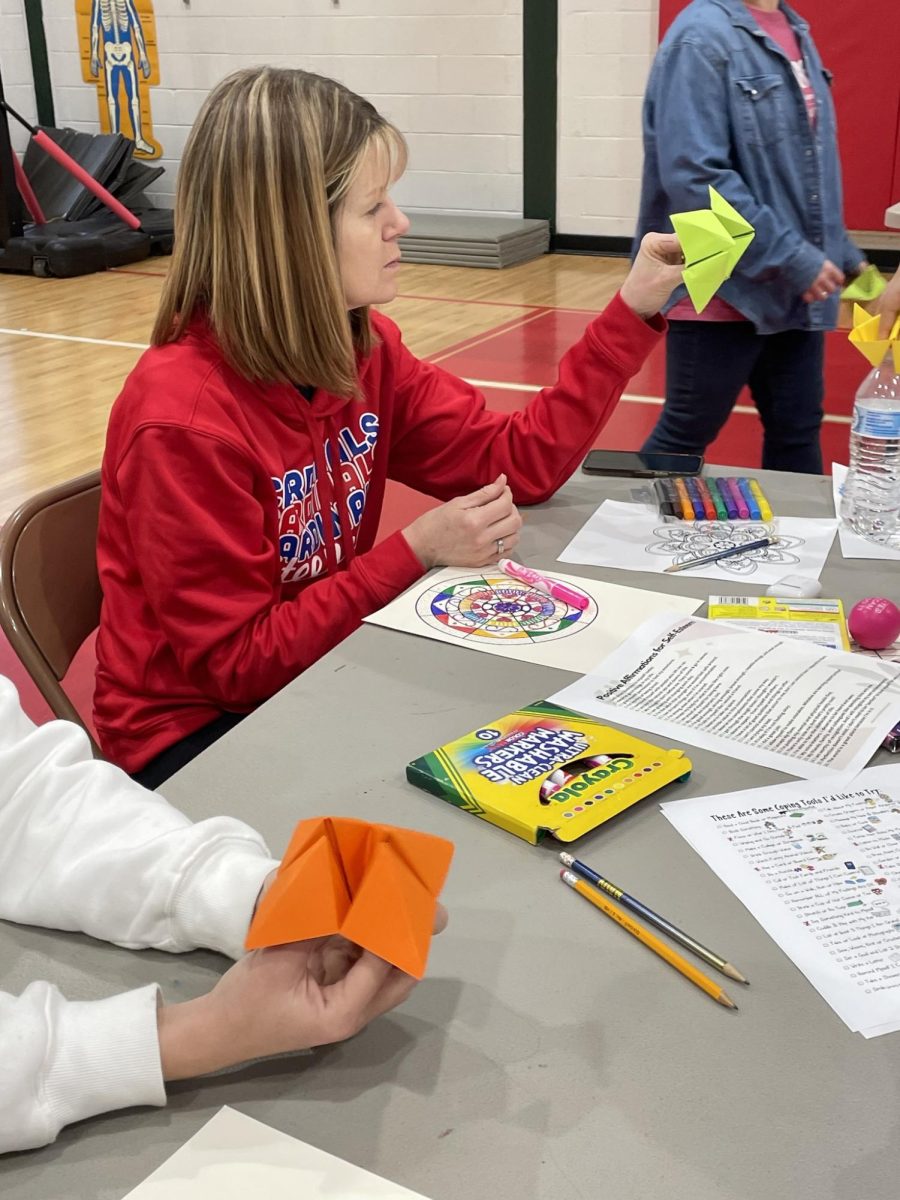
712,241
866,287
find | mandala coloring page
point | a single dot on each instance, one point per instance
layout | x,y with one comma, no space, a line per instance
685,541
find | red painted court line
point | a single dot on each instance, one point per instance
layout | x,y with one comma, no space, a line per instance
533,360
500,303
479,339
460,300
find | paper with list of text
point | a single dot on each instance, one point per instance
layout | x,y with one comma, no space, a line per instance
819,867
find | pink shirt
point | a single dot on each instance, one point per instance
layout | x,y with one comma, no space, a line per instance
778,28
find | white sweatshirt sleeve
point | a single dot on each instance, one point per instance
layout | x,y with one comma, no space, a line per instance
83,847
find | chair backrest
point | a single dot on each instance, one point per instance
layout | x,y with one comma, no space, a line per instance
49,588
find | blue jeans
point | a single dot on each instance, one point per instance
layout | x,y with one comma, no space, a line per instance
707,364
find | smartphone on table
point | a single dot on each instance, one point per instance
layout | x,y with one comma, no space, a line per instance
636,464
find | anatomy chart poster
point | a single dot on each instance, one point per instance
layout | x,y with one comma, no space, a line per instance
119,56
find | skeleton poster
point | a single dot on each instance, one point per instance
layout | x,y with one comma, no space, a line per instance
119,56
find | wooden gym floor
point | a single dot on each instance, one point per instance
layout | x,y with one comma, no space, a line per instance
67,345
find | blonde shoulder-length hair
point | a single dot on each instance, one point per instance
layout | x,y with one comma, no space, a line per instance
266,166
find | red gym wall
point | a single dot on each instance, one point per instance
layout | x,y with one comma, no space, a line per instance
859,40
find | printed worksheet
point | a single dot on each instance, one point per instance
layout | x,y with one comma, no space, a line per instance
788,705
819,868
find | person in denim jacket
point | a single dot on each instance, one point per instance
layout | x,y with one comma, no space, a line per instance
738,98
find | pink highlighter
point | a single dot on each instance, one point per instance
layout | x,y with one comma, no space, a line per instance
552,587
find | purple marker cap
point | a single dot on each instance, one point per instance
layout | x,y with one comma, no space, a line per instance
739,502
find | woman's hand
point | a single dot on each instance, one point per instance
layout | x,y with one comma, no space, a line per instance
470,531
282,999
888,306
655,274
828,280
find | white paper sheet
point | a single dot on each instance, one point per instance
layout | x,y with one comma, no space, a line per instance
485,610
819,868
852,545
633,537
234,1157
784,704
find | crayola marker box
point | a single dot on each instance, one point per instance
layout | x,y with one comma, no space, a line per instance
546,771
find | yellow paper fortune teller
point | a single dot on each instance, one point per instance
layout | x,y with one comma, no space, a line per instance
712,240
865,337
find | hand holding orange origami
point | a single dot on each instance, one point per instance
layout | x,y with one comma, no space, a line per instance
279,1001
374,885
349,900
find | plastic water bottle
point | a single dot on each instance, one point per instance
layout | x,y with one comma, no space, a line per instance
871,501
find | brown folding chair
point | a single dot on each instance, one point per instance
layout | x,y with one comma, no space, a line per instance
49,588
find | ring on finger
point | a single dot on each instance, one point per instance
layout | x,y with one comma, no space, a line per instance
499,546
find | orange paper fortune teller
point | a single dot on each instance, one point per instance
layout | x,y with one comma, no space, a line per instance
376,885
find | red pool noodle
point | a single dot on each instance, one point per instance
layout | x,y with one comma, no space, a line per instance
27,193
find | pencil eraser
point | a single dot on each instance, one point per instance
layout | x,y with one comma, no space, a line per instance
874,622
795,587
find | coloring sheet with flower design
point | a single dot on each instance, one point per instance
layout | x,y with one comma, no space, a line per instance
634,537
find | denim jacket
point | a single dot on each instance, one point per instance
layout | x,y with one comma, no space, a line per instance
723,107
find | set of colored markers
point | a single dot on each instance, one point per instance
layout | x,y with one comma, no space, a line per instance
699,499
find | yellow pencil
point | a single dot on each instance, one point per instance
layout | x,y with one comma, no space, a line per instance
765,510
644,935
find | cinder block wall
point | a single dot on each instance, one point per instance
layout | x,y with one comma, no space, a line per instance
605,51
449,72
15,65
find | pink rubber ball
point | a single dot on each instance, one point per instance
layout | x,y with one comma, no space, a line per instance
874,622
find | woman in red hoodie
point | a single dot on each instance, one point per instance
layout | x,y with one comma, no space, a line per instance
247,454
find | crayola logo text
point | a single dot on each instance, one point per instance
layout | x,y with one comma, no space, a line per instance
591,778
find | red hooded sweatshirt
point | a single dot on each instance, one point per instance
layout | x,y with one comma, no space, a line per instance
238,520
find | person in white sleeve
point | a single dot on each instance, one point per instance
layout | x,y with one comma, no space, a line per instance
83,847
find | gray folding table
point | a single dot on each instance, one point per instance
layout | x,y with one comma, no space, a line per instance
546,1054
